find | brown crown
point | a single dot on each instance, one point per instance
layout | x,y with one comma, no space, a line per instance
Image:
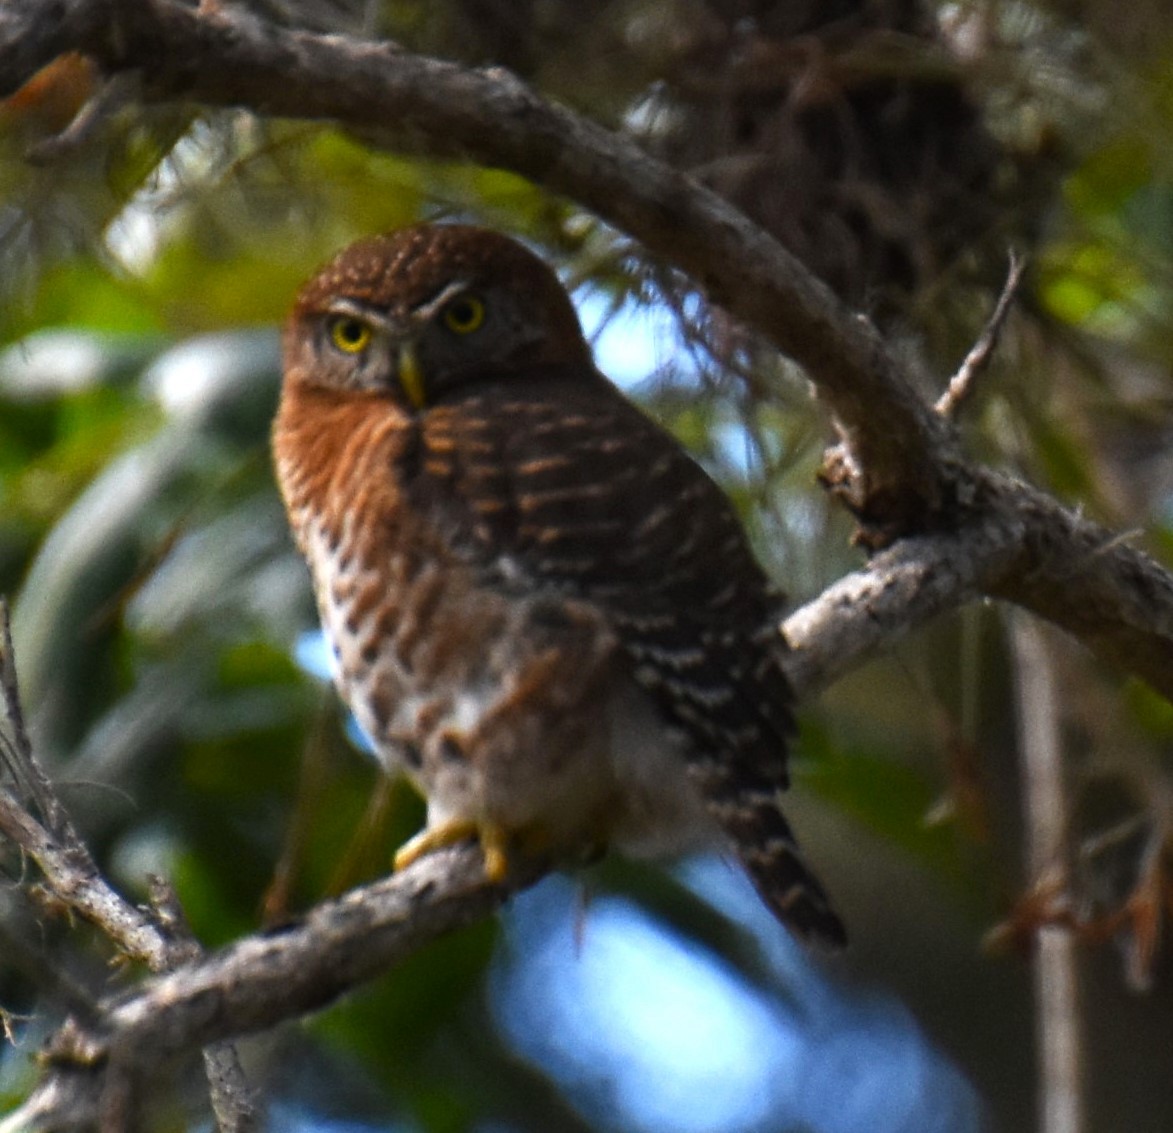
412,265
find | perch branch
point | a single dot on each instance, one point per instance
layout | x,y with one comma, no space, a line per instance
264,979
260,981
267,978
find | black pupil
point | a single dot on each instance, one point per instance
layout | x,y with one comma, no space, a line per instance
462,313
351,331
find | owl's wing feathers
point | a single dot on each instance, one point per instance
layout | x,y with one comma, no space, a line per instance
589,497
563,483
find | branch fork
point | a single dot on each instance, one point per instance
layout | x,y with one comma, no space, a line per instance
943,530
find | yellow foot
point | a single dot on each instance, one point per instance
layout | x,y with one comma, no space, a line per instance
434,838
493,840
494,843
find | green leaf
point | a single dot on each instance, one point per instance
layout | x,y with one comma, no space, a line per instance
888,797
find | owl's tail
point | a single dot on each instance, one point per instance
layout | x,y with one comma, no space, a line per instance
751,817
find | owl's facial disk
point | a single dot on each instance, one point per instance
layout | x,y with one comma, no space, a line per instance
460,335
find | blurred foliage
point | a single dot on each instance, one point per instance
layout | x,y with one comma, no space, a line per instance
900,149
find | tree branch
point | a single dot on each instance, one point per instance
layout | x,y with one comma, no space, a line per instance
221,56
898,469
962,531
1012,542
900,589
265,979
1086,579
162,942
56,847
1053,960
262,980
961,384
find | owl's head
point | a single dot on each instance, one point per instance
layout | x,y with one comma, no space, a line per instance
429,309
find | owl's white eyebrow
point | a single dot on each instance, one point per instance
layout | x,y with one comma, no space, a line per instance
355,309
428,308
361,311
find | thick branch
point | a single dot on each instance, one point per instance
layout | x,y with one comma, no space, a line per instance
265,979
979,533
223,57
1015,543
1088,580
899,467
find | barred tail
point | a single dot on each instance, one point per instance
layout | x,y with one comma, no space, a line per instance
752,819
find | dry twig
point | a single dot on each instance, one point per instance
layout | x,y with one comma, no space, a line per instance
1056,980
961,384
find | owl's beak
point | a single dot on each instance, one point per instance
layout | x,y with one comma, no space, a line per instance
410,376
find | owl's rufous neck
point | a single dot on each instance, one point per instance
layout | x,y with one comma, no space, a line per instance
333,449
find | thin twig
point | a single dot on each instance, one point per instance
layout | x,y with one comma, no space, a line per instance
1057,1018
163,941
26,772
961,384
99,108
235,1104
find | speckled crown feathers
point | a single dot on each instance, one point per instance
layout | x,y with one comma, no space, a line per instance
412,265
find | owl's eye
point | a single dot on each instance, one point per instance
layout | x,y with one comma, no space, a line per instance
464,314
348,334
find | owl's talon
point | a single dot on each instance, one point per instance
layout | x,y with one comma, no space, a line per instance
434,838
493,846
493,839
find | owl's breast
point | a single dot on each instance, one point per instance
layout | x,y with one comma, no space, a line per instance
503,698
413,636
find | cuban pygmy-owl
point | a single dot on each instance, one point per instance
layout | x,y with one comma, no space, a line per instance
541,609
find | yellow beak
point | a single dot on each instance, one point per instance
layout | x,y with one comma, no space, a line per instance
410,377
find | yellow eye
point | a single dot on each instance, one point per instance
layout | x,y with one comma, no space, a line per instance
350,335
464,314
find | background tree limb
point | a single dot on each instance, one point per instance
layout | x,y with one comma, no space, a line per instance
952,531
899,467
223,57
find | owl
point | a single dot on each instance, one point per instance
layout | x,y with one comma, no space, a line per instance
541,609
